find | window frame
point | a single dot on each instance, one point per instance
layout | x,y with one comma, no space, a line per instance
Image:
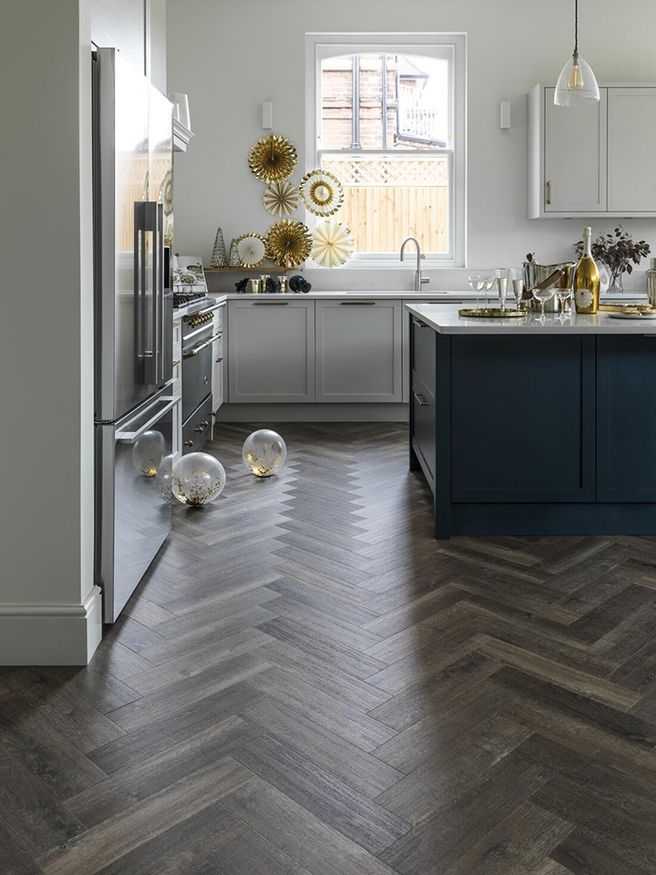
320,46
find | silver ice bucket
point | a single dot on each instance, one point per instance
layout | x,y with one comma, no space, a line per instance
535,273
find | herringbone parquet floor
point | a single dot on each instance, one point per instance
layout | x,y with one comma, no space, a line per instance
307,682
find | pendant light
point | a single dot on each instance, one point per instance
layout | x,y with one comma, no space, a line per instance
577,83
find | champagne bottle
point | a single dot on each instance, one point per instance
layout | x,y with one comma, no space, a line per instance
587,281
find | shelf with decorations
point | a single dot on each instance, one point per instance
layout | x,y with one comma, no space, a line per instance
241,269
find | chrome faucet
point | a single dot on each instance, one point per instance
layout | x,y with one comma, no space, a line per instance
420,280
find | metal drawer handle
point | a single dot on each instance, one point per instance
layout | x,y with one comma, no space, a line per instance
188,443
270,303
357,303
219,360
200,347
421,401
548,192
419,324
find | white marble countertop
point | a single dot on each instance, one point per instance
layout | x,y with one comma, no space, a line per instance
445,320
439,297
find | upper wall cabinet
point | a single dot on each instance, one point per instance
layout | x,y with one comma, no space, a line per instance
594,160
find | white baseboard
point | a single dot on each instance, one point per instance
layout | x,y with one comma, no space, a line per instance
51,634
313,413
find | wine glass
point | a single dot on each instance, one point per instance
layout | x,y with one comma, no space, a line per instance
543,295
489,282
517,276
564,292
502,285
476,284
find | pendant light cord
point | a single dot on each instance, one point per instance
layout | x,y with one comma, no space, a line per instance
576,27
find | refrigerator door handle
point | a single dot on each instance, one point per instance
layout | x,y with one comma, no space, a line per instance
139,284
159,256
131,436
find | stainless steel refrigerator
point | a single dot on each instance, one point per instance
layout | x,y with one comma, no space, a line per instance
133,307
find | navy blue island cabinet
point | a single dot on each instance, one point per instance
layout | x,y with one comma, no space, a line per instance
532,431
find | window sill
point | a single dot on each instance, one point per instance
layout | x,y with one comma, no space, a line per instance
392,264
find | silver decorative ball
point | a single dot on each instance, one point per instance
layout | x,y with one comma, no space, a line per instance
264,452
148,452
198,479
164,479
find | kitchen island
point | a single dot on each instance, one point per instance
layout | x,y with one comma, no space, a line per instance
528,428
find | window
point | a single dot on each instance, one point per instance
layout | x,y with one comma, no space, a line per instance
388,119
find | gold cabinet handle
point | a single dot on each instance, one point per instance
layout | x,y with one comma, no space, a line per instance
548,192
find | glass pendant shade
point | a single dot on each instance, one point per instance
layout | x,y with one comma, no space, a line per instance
577,84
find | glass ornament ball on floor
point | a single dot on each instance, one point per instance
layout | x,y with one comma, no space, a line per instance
148,452
264,452
164,479
198,479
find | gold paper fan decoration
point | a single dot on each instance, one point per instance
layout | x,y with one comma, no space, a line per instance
272,158
332,243
321,192
280,198
289,243
251,249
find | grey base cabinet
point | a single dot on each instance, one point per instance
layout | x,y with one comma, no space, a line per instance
271,351
359,351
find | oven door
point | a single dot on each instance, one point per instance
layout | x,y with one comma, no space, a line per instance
196,369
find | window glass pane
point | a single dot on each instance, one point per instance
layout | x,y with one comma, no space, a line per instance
390,197
374,101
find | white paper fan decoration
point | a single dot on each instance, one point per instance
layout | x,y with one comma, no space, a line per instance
251,249
332,243
280,198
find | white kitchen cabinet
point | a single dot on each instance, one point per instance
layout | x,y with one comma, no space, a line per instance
575,156
218,358
631,146
271,351
359,356
592,161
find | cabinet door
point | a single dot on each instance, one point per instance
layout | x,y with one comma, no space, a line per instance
522,418
218,355
575,156
271,351
631,139
359,351
626,418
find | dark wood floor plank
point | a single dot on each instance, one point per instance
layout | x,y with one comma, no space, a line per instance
298,833
366,773
333,801
251,854
115,838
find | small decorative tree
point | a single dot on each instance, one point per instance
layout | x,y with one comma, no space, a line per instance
619,252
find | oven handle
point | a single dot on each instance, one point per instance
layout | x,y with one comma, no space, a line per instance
131,436
187,337
200,347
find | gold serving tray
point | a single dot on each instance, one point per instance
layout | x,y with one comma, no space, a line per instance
626,308
492,313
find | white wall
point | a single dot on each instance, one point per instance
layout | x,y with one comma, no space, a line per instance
230,55
49,608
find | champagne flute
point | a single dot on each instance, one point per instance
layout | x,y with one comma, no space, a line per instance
543,295
502,285
517,275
